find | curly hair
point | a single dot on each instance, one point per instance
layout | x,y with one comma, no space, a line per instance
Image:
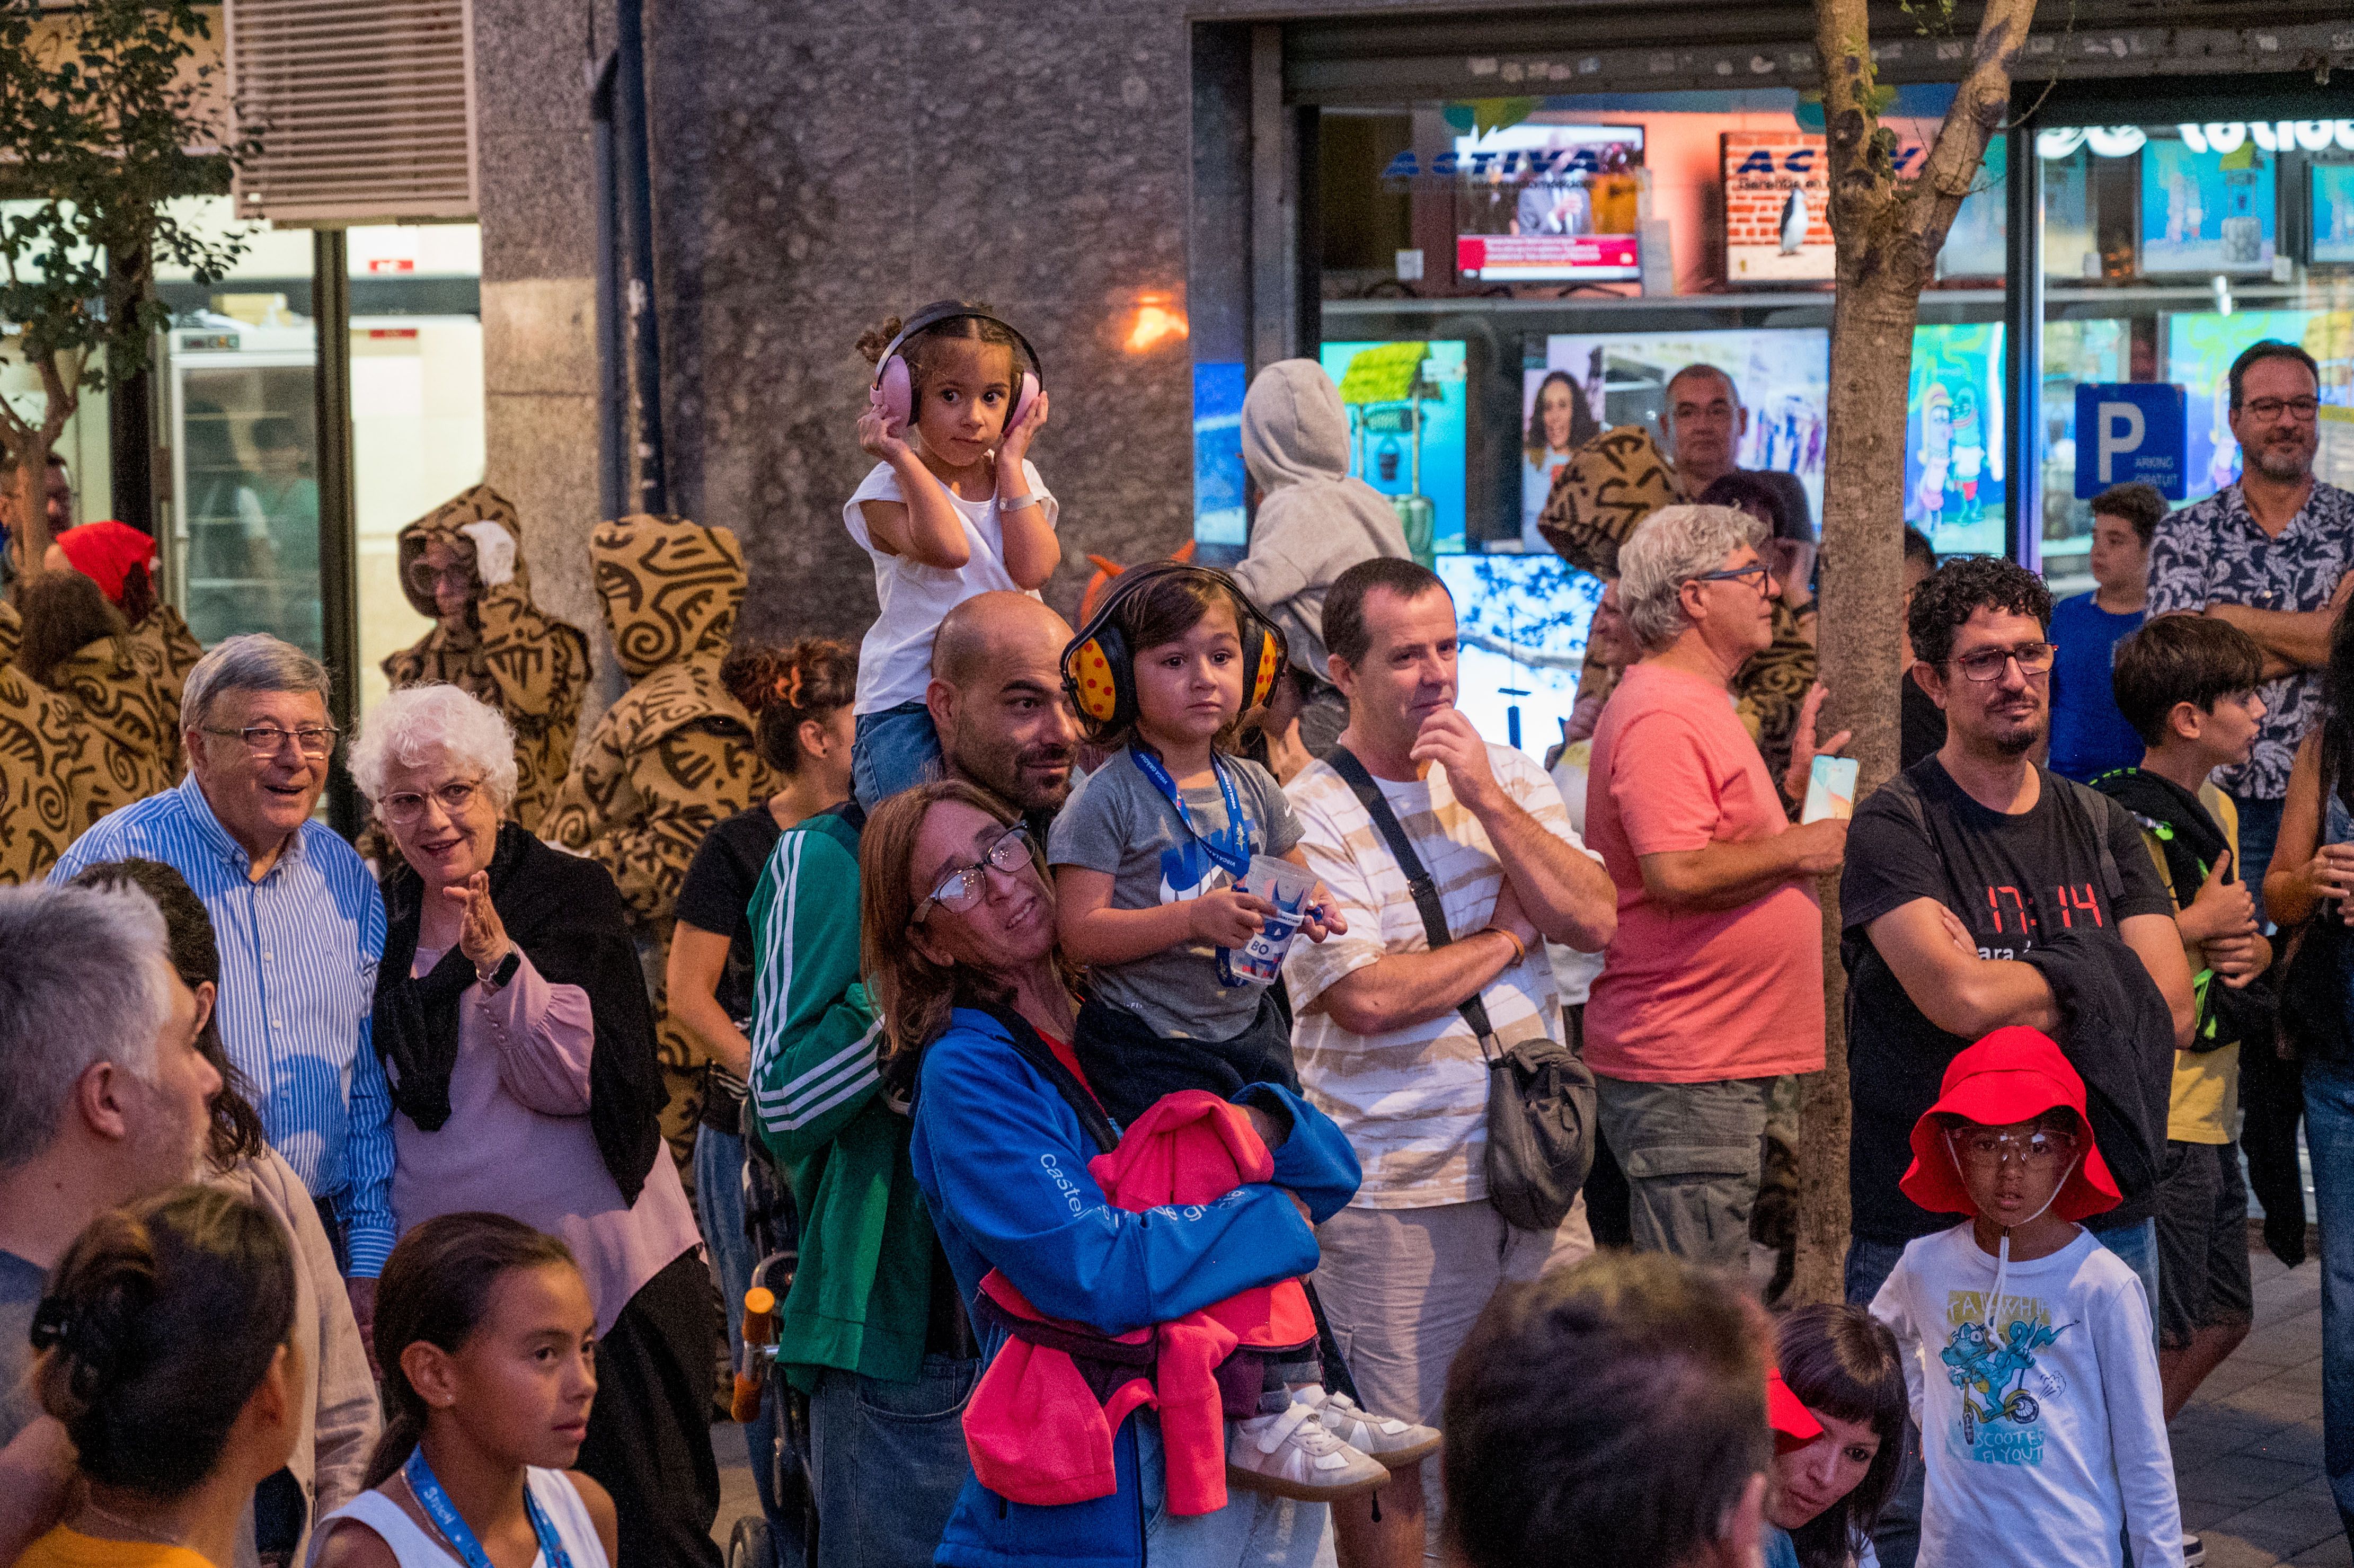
1945,602
784,688
920,350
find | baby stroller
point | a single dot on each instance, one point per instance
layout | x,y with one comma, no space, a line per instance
775,1230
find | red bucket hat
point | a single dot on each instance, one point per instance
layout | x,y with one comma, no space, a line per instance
2013,1074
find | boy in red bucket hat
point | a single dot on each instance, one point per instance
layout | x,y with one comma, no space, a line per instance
2027,1342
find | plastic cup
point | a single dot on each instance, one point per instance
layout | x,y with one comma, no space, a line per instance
1285,886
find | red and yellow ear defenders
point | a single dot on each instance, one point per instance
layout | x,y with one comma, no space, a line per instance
893,389
1098,666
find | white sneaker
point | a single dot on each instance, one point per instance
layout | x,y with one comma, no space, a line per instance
1396,1444
1289,1454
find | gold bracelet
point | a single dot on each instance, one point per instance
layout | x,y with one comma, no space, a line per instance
1520,949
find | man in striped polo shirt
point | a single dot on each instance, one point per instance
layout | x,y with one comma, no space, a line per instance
299,924
872,1322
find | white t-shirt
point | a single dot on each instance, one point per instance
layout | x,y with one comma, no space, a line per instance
1413,1101
2047,1439
894,661
1574,973
412,1548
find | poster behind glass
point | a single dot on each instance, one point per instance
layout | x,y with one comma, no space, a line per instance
2199,349
1537,202
1782,374
2333,212
1521,628
1954,478
2206,212
1407,408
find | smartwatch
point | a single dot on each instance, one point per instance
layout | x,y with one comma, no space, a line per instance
498,977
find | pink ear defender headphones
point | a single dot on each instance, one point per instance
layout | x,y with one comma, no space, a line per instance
894,391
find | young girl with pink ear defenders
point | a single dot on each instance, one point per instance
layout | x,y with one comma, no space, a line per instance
952,508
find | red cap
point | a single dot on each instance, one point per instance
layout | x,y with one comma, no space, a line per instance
1794,1425
2013,1074
105,553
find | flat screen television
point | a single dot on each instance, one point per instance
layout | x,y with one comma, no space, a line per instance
1953,444
1407,402
2333,212
1520,623
1539,202
2206,212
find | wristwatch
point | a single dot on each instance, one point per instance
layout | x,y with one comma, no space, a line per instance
498,977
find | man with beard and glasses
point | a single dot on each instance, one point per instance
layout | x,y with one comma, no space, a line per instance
1982,891
2270,555
872,1328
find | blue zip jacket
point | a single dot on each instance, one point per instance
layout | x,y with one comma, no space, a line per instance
1002,1163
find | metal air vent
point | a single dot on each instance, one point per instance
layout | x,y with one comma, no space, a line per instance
364,109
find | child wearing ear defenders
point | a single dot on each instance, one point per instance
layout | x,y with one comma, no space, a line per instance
952,508
1146,855
2025,1342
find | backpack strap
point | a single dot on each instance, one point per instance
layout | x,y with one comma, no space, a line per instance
1418,884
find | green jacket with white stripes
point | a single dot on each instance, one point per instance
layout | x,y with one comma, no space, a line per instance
860,1294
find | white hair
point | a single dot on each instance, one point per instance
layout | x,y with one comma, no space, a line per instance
413,727
85,978
255,662
1667,550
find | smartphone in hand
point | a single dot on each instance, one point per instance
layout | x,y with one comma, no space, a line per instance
1830,790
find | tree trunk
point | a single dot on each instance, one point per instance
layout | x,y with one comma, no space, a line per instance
1888,234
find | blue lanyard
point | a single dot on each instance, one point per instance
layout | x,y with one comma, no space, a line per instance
1236,863
427,1488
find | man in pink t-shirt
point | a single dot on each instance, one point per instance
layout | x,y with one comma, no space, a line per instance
1713,986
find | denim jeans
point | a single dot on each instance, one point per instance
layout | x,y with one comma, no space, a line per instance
2329,1135
887,1460
894,750
720,1205
1691,1152
2259,823
1253,1530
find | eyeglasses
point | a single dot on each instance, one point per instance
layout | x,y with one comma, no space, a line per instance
1753,575
2304,410
962,888
425,577
408,806
2033,1151
1987,663
268,739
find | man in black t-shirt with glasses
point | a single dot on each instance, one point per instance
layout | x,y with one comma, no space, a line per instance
1975,857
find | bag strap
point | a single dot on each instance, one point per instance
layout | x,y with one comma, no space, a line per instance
1418,884
1027,1044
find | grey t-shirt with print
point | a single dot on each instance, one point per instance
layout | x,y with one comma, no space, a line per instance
21,1284
1119,823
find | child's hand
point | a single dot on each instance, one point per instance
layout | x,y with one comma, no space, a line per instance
1317,921
883,437
1015,443
1228,918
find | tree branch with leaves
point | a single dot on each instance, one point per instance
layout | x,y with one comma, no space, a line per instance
1888,229
107,116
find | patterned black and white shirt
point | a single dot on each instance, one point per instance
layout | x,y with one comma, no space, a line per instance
2213,553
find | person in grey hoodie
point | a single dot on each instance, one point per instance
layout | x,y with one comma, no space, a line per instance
1314,523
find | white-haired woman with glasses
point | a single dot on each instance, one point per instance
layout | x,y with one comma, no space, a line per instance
513,1026
1713,986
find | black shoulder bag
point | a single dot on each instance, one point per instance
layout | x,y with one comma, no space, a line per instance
1540,1094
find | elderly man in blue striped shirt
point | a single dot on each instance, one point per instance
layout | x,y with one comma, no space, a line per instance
300,924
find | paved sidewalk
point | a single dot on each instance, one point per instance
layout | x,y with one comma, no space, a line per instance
2247,1450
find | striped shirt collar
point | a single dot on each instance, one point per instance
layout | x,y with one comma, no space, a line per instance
218,839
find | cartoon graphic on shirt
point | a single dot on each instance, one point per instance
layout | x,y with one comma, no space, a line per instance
2002,1387
1188,869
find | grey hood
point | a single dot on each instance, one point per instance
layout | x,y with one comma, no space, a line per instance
1314,521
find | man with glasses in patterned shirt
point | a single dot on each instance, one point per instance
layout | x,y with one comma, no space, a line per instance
2269,554
299,922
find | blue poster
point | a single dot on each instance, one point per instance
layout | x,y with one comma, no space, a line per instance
2206,212
1521,625
2130,433
2333,212
1221,486
1408,419
1953,481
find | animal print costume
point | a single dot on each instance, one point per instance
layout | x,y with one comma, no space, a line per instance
54,782
126,696
1607,486
674,757
1773,685
511,654
12,632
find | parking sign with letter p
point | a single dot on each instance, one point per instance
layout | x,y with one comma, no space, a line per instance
2130,431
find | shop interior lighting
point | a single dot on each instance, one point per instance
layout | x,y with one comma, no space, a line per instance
1156,322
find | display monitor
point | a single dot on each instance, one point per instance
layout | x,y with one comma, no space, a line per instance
1221,484
1954,445
1540,202
1777,224
2199,349
1408,415
1520,623
2206,212
2333,212
1782,374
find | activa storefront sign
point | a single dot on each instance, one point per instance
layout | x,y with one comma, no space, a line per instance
2131,430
